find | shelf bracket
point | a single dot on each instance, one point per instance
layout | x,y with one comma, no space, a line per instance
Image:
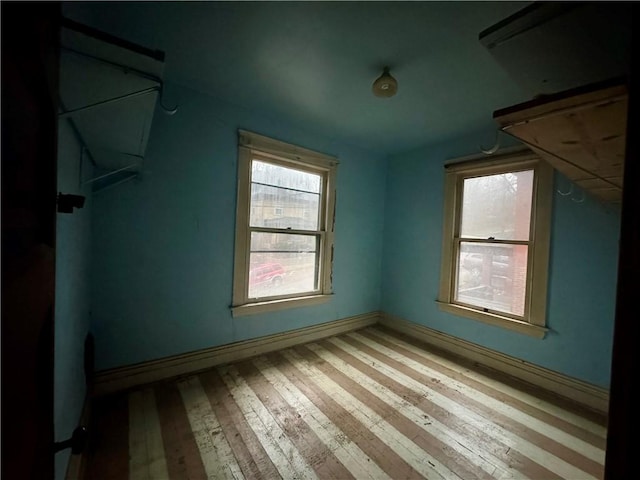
145,91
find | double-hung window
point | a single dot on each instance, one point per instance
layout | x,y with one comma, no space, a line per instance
284,225
496,240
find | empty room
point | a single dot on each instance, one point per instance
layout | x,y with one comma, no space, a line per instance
317,240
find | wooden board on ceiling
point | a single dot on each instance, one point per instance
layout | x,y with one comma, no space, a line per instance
580,132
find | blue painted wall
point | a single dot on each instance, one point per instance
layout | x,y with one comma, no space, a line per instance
72,302
583,267
163,246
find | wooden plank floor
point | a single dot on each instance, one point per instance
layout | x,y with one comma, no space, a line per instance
368,404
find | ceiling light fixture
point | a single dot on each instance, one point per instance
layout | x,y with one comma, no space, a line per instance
385,85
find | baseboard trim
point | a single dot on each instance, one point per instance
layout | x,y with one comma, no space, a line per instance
123,378
586,394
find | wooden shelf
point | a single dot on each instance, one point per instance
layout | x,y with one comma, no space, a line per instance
580,132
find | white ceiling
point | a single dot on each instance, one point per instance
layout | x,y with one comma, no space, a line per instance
313,63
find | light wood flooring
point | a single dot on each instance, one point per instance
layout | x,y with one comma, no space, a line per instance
368,404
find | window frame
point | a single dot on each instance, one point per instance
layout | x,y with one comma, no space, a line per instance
533,322
254,146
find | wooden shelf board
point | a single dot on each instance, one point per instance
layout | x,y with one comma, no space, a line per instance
581,133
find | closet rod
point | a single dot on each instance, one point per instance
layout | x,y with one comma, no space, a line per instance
110,173
126,179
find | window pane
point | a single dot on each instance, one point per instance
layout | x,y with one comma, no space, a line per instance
284,197
282,264
492,276
497,206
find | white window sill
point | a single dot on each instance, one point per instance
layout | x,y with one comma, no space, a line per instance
494,319
275,305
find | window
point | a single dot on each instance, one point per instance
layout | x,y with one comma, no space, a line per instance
284,226
496,240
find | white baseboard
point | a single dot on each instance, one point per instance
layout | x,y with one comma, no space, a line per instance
591,396
123,378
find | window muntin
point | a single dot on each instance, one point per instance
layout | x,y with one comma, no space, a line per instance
496,240
284,229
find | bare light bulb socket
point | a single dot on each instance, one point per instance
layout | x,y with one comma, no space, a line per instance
385,85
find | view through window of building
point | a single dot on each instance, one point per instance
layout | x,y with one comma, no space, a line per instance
282,263
284,229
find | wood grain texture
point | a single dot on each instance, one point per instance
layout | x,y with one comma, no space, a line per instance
580,133
366,404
